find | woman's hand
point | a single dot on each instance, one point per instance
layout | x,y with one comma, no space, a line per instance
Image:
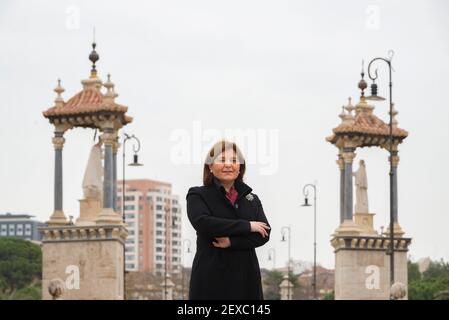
260,227
222,242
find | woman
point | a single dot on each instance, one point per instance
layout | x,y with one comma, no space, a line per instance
230,224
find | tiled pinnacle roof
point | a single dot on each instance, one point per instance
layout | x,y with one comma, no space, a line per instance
365,123
89,100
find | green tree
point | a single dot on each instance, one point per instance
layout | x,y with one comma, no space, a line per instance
437,269
329,296
442,295
293,279
272,281
413,271
431,284
20,268
32,292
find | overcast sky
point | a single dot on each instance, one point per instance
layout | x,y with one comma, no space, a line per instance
275,73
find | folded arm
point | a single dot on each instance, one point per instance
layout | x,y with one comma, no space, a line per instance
254,239
204,223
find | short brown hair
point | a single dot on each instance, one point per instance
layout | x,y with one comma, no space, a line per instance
214,152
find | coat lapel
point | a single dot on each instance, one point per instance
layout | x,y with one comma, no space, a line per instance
242,188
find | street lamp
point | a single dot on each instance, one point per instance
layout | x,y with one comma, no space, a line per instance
135,163
375,97
306,204
283,230
182,265
272,257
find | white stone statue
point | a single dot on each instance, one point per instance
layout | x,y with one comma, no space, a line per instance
93,176
398,291
361,183
56,289
286,289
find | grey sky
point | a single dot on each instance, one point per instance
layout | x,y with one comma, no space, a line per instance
261,65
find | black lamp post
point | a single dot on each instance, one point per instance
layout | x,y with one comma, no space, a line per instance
288,264
306,204
272,256
169,224
375,97
135,163
182,265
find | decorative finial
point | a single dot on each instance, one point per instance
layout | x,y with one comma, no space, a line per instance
109,85
349,107
347,117
59,89
394,113
93,57
362,82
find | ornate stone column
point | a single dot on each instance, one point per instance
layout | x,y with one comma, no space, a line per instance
348,156
58,217
341,165
395,162
108,141
347,225
115,148
108,215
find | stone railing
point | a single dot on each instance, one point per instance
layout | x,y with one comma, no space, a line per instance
369,243
73,233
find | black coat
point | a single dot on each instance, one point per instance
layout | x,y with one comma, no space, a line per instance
225,273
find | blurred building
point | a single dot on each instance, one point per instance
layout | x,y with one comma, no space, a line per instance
324,284
153,216
21,226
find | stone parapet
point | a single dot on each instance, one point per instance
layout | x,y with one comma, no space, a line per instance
369,243
72,233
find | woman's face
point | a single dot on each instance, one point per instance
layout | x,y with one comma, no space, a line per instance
226,167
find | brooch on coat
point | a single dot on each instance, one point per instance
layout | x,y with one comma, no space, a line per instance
250,197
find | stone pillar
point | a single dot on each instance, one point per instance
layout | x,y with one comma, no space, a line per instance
286,289
395,162
362,267
347,225
107,214
341,165
348,156
115,148
83,263
108,169
58,217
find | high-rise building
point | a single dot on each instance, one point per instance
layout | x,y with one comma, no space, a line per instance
153,216
20,226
